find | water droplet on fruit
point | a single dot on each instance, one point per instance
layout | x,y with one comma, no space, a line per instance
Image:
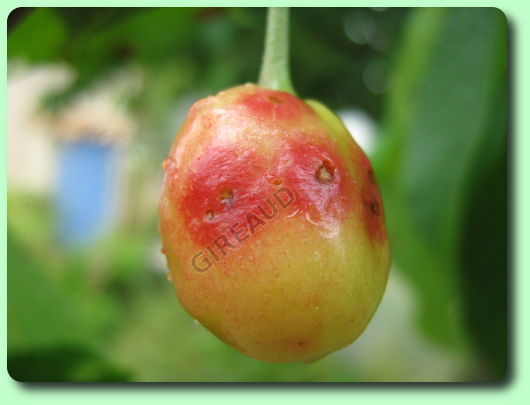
169,277
292,214
326,172
311,220
169,165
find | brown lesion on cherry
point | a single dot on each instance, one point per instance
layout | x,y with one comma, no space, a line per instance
276,181
371,175
275,99
227,197
374,208
325,172
373,204
209,215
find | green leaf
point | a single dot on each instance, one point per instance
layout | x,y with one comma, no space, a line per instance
65,363
39,313
38,38
54,334
445,131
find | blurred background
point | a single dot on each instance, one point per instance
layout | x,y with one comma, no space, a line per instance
95,97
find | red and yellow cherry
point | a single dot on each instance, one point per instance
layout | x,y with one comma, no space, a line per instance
272,225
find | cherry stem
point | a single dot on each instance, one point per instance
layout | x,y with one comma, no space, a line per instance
274,72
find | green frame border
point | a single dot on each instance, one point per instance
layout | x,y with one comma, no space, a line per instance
515,389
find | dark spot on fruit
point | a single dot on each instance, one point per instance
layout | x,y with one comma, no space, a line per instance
302,343
227,197
209,215
275,107
371,176
374,207
326,172
275,99
221,169
276,181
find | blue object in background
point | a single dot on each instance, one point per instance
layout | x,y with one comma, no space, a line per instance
85,190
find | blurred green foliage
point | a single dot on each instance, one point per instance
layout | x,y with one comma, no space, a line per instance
435,78
214,48
443,169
